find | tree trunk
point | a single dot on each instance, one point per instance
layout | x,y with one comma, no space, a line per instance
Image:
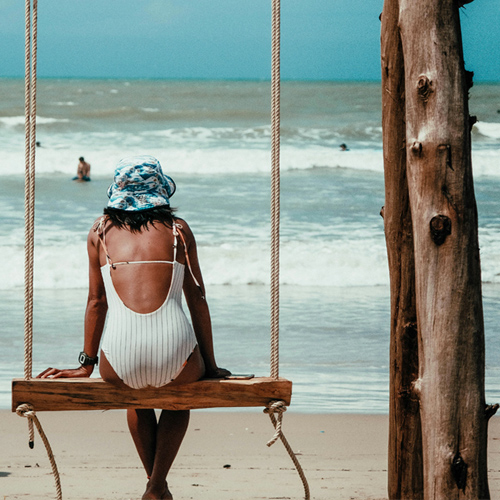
448,281
405,479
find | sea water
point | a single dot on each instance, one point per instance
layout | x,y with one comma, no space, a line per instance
213,138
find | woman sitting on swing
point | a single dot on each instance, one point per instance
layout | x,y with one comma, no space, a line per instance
138,254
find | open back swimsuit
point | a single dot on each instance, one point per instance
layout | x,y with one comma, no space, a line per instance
147,349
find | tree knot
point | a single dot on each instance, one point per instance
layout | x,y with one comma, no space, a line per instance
459,471
416,148
490,410
440,226
424,87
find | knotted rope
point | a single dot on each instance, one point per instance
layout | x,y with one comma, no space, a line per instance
31,34
29,198
278,407
26,410
273,407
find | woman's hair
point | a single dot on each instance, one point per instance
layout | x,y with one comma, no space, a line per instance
135,221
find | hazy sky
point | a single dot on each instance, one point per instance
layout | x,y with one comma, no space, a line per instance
321,39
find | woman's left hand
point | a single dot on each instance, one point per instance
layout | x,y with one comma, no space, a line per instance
82,371
217,373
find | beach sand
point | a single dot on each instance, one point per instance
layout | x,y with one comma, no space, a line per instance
224,457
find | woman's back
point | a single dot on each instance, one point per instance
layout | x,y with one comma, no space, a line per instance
147,339
143,287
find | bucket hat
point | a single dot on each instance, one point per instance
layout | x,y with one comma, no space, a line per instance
139,183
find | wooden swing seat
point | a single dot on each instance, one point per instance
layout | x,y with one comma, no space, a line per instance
95,394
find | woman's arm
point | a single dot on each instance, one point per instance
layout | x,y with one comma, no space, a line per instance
198,307
97,305
95,314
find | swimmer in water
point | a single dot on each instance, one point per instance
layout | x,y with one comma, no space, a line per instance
83,170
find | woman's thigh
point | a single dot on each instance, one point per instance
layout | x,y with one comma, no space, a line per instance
193,370
108,373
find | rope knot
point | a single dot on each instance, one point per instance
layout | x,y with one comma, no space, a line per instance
278,407
25,410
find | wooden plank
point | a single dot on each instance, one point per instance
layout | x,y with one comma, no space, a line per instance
95,394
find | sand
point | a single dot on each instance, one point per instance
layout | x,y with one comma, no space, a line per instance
224,457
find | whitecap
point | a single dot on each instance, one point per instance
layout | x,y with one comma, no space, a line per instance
488,129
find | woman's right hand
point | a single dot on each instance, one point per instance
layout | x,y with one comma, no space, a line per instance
81,372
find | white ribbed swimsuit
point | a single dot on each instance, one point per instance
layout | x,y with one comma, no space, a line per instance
147,349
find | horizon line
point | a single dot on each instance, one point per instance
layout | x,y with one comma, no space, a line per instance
213,79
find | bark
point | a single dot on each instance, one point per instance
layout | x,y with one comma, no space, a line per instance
448,281
405,479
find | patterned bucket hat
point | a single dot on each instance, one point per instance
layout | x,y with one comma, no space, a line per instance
140,184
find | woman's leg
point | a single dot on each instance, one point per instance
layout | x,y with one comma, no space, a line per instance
141,422
171,430
158,443
143,429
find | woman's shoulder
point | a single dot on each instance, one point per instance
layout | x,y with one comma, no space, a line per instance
99,224
182,224
98,227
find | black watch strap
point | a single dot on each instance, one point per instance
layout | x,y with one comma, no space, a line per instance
85,359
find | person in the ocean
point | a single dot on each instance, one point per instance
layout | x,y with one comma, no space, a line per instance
343,147
141,259
83,170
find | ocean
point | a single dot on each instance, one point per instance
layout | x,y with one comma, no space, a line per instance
213,138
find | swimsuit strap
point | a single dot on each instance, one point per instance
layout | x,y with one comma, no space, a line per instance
101,234
176,226
141,262
175,233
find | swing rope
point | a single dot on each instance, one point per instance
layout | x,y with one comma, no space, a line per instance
28,203
275,187
279,407
29,200
31,32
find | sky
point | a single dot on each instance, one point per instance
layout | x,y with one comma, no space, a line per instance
221,39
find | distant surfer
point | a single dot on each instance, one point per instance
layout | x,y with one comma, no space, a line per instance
343,147
83,170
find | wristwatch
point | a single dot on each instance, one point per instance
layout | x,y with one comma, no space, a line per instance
85,359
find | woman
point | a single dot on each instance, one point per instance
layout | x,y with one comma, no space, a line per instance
138,253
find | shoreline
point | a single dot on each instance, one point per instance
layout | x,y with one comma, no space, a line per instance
224,457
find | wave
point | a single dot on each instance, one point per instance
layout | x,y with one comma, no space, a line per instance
218,161
187,161
18,121
346,263
491,130
216,150
339,263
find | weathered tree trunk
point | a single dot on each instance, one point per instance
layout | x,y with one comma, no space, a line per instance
405,480
448,281
433,258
